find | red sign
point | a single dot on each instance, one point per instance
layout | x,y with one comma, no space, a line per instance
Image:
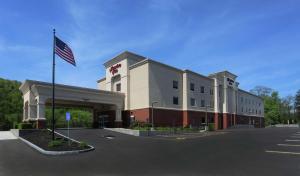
114,69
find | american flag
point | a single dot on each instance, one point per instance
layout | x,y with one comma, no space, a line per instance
64,51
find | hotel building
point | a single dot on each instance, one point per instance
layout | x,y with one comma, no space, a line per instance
135,86
179,97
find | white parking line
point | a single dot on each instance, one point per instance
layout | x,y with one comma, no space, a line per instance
292,140
282,152
295,136
289,145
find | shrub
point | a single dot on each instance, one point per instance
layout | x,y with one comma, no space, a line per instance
25,126
83,145
211,127
55,143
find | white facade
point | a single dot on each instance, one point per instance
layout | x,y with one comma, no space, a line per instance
144,81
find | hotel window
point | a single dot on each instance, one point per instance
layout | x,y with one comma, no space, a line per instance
242,109
118,87
202,89
192,86
193,102
175,100
175,84
242,99
202,103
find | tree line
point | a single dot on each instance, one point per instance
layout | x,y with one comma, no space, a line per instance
279,110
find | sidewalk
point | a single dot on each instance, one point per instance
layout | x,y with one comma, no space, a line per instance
6,135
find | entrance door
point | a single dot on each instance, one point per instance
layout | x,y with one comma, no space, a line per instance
103,121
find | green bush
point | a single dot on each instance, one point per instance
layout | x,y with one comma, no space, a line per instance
141,125
83,145
55,143
25,126
211,127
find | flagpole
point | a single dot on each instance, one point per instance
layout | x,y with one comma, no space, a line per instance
53,86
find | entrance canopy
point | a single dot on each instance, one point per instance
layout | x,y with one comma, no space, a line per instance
37,94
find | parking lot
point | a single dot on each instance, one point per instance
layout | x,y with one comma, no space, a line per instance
272,151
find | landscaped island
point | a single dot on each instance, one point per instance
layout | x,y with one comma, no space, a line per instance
43,139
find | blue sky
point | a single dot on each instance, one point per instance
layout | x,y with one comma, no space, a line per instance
257,40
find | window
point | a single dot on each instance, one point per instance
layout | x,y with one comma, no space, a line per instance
202,89
175,84
242,99
242,109
175,100
193,102
192,86
211,91
202,103
118,87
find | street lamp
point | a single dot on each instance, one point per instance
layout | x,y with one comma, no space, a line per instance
152,104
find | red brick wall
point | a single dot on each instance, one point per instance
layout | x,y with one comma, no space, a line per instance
248,120
167,117
196,118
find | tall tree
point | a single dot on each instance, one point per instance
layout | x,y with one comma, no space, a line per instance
261,91
297,105
287,104
272,108
10,103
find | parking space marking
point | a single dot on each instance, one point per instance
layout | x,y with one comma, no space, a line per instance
292,140
289,145
295,136
282,152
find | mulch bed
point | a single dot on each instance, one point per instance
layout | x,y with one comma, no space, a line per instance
42,138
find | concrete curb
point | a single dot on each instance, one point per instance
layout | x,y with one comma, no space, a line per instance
145,133
56,153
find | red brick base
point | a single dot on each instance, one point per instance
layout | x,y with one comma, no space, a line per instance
41,124
167,117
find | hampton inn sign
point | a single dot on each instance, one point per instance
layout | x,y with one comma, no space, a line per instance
133,82
114,69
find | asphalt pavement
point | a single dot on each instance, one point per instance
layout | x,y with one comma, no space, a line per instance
235,152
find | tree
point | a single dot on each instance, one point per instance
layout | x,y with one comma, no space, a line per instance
287,104
297,105
261,91
11,103
272,108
